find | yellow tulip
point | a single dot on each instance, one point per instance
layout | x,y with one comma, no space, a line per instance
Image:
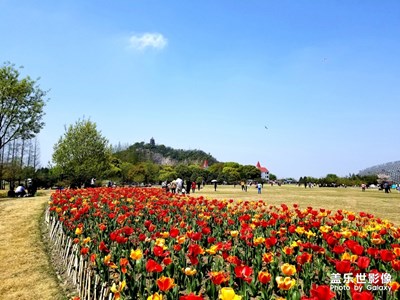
300,230
258,241
212,250
189,271
160,242
228,293
346,256
165,234
87,240
310,234
136,254
234,233
155,296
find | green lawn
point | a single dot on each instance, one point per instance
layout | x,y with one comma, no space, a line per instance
384,206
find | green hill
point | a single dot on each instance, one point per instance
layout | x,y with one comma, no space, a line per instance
162,155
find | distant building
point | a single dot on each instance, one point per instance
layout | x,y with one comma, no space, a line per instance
152,142
205,164
264,173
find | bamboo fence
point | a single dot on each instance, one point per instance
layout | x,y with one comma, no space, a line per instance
87,283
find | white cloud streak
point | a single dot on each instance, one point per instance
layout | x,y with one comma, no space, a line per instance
148,40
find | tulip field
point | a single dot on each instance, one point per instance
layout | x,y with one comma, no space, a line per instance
145,243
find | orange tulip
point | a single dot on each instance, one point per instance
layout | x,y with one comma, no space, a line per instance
264,277
123,262
395,286
288,269
165,283
268,257
219,277
285,283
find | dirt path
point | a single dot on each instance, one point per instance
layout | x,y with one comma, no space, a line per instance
25,271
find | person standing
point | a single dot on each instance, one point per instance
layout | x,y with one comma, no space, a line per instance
179,185
188,186
259,186
215,185
193,186
198,185
173,187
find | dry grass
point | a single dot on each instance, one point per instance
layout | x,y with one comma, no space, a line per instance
25,270
384,206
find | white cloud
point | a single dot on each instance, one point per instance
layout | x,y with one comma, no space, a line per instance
147,40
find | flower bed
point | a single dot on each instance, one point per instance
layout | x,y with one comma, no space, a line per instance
146,244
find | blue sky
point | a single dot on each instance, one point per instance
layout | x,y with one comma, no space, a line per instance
323,76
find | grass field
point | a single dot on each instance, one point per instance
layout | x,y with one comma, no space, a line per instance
26,271
384,206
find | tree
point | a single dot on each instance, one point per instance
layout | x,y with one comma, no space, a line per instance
82,153
272,176
231,174
21,108
249,172
21,103
167,173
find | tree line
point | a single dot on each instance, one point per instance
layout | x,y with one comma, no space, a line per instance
332,180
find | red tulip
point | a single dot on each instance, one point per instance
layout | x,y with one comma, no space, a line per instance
396,265
191,297
271,241
244,272
173,232
339,249
387,255
343,266
158,251
167,261
363,262
322,292
103,247
153,266
362,296
304,258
